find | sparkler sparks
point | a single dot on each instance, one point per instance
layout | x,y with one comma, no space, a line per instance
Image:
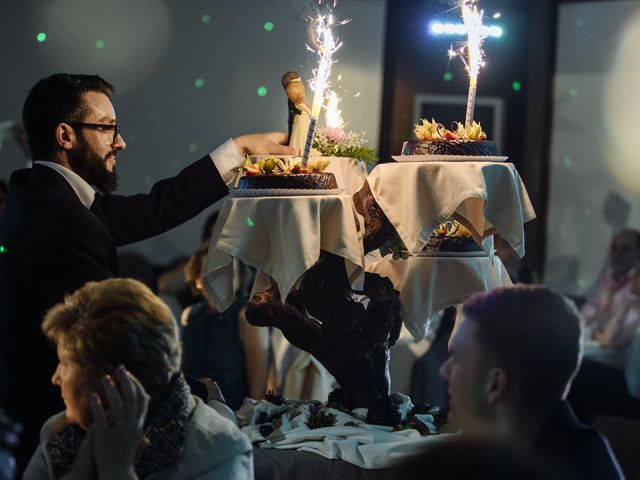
324,44
470,52
333,114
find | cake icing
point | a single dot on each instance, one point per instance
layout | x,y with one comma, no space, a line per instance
433,138
286,173
451,236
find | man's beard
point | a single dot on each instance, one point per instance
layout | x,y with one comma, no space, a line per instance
93,168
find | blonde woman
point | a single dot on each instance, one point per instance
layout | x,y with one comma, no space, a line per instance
129,412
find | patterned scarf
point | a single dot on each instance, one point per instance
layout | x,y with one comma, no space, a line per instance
164,433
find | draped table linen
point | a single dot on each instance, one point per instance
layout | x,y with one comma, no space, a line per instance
486,197
430,284
281,236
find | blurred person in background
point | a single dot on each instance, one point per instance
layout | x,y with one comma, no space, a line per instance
222,345
613,288
604,382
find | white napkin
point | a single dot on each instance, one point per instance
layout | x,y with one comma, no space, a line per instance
485,197
350,173
364,445
430,284
282,237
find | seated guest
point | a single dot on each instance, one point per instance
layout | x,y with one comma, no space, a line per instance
614,287
600,388
618,332
511,364
212,341
129,413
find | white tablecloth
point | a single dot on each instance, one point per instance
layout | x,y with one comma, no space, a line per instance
351,439
350,173
429,284
485,197
282,237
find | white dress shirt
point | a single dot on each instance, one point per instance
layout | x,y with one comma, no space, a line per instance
226,158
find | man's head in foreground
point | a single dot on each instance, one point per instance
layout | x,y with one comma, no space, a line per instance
512,359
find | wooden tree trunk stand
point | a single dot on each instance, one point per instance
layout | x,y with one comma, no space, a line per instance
328,319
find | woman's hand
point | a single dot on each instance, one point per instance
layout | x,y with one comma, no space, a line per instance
117,434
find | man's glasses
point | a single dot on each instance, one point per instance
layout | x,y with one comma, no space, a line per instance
100,126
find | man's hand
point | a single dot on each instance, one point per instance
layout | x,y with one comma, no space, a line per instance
272,143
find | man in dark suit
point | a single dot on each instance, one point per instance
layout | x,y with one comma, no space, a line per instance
512,361
62,224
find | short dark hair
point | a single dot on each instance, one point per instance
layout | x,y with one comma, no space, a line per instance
56,99
534,334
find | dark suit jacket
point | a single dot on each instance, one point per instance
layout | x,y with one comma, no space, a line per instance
53,245
579,451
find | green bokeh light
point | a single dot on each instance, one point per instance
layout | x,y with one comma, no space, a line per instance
199,83
573,92
193,147
447,77
100,44
568,161
516,85
250,222
262,91
3,249
268,26
205,18
41,37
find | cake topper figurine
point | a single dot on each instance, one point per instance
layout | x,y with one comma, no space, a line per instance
298,120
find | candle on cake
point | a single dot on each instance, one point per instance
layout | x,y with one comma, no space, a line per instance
471,52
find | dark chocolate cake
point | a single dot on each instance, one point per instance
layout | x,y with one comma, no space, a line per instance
450,147
443,243
307,181
453,238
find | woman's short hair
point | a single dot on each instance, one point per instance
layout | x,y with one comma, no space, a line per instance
118,321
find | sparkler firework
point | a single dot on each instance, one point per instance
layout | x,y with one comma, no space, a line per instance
471,51
324,44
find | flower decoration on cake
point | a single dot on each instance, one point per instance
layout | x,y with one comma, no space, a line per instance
283,166
335,142
434,131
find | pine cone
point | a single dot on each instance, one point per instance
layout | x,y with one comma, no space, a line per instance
274,398
319,419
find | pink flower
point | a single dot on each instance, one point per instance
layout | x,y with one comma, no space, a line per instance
335,135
